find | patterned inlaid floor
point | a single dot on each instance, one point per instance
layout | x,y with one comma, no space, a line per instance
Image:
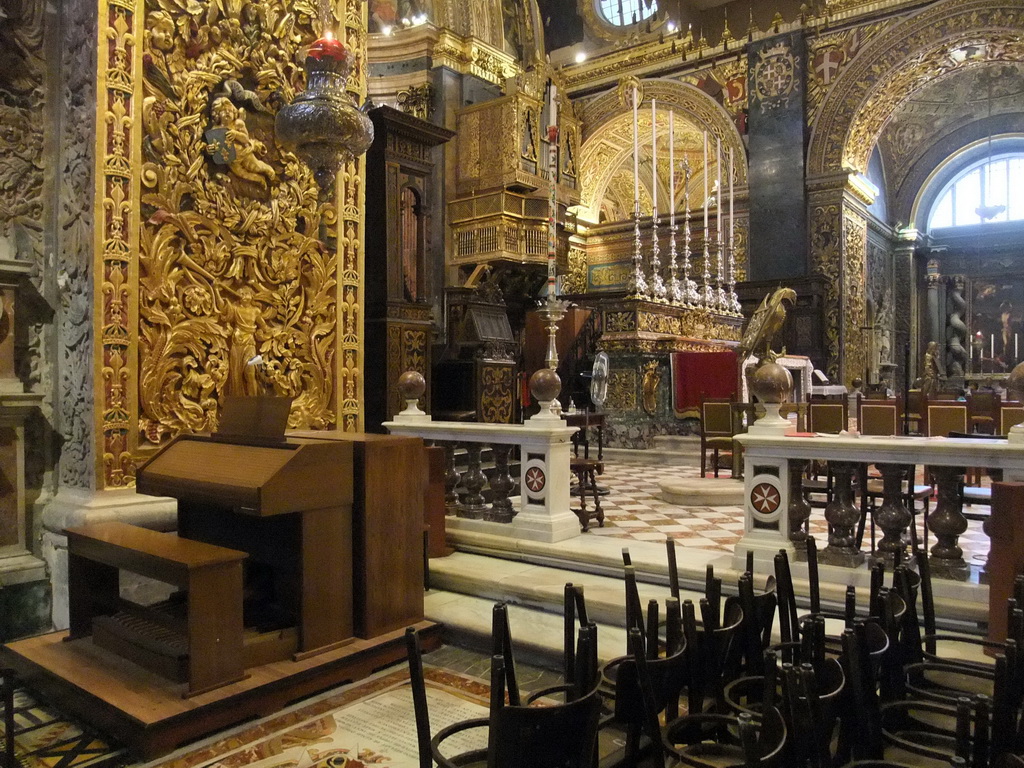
634,510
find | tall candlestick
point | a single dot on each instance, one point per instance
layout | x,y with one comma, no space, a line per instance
657,283
674,293
720,231
705,183
734,300
636,149
708,293
637,282
552,192
654,155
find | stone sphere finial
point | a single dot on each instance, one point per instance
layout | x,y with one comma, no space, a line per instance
412,385
545,385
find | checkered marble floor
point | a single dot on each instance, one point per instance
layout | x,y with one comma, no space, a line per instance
634,510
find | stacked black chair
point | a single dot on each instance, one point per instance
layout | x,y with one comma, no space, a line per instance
558,735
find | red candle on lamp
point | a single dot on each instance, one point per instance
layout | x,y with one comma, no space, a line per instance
328,46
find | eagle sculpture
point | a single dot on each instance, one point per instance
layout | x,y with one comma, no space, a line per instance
763,326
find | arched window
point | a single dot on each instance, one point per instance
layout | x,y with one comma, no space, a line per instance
622,13
989,190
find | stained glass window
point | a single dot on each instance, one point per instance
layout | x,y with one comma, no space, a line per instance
988,191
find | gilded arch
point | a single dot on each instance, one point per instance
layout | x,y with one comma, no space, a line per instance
606,116
900,61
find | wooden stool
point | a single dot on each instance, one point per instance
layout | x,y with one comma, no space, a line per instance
586,471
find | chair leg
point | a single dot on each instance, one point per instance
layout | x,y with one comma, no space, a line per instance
10,761
419,697
714,461
598,512
703,461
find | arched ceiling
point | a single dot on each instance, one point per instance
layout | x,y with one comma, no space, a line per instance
945,106
607,161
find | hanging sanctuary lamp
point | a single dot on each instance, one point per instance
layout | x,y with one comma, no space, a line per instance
322,125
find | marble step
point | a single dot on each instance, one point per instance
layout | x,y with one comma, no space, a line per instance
672,450
538,586
958,604
536,633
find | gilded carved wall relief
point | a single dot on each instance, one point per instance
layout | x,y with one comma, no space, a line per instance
237,253
855,231
826,245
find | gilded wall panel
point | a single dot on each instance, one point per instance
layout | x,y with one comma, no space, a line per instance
826,252
239,255
622,388
855,346
497,392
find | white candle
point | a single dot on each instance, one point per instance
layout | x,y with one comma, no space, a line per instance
718,173
993,340
554,105
705,184
672,164
1015,347
636,149
654,153
732,220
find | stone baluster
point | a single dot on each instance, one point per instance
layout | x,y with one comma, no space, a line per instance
799,509
473,480
947,522
452,477
502,484
842,516
892,516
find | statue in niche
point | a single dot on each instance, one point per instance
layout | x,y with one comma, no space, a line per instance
649,386
931,372
228,143
249,321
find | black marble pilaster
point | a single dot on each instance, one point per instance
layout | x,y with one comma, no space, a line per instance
776,141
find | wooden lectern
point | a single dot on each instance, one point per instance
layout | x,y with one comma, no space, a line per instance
288,505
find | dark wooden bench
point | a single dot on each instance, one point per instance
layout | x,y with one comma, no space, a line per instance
210,575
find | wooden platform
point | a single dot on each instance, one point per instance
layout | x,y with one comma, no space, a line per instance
148,713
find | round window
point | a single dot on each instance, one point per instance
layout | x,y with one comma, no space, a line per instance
623,13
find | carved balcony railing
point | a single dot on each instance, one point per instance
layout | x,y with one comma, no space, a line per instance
540,512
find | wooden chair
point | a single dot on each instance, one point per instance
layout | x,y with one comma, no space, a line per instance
884,418
944,416
560,735
983,408
1010,414
825,417
667,674
914,410
586,472
715,431
800,410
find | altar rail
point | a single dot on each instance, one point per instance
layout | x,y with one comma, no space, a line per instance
775,509
541,512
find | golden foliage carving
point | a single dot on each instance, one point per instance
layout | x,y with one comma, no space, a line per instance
236,250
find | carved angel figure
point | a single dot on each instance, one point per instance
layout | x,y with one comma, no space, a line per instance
229,143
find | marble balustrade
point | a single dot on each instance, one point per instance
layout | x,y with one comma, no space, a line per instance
542,510
775,508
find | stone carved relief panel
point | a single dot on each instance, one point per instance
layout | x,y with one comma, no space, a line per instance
74,225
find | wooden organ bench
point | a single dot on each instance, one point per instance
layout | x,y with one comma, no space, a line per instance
203,647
